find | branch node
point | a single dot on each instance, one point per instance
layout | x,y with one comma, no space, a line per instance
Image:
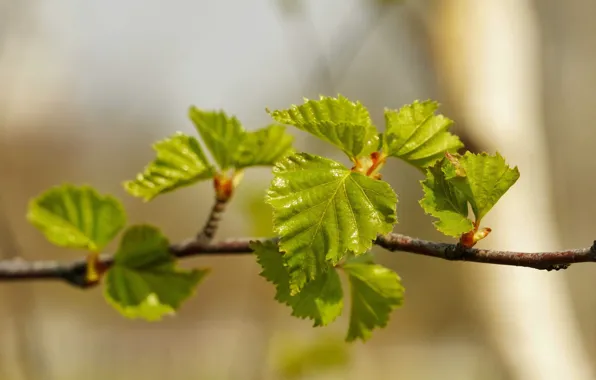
455,252
77,277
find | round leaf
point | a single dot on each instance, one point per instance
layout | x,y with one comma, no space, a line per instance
143,281
338,121
322,210
77,217
376,291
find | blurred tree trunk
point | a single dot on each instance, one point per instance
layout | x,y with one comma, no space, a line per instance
488,55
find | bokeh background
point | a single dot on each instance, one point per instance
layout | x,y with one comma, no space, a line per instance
87,86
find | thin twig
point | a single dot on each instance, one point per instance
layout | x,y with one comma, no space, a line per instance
212,224
74,272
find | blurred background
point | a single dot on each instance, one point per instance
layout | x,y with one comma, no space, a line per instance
87,86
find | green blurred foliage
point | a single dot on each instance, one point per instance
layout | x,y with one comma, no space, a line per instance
297,359
255,210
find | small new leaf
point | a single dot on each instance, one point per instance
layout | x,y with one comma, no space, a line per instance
477,179
376,291
180,162
338,121
418,136
143,281
443,201
320,300
263,147
487,179
322,210
222,134
77,217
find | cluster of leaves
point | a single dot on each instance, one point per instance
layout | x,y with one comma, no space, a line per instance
326,215
144,281
181,162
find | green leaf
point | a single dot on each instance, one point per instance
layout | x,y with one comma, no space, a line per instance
221,134
150,309
486,179
322,210
180,162
418,136
77,217
339,121
443,201
376,291
477,179
320,300
264,147
143,281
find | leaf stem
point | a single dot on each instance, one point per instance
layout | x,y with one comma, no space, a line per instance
378,159
93,272
371,165
224,189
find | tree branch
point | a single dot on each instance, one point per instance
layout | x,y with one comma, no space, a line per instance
74,272
454,252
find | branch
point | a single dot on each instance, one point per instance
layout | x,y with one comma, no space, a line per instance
74,272
454,252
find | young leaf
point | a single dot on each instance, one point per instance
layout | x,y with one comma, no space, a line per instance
486,179
376,291
339,121
221,134
77,217
321,299
180,162
478,179
322,210
264,147
143,281
443,201
418,136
